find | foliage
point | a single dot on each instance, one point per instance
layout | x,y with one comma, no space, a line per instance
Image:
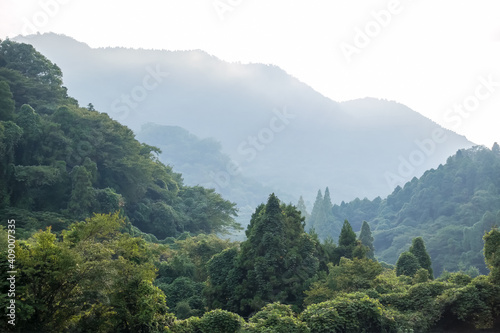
492,254
95,278
476,305
279,318
365,236
220,321
354,312
450,207
424,260
407,264
60,158
349,276
276,263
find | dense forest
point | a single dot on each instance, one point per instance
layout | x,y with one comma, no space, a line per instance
451,207
108,239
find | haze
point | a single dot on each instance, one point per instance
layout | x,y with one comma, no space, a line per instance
432,57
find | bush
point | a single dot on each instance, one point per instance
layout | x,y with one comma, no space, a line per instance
220,321
277,318
349,313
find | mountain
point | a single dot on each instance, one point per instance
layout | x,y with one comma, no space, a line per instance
60,162
275,130
451,207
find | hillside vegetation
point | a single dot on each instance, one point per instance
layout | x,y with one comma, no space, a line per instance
61,162
451,207
98,236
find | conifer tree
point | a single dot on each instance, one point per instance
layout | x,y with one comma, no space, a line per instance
348,246
327,204
276,260
424,260
347,236
365,236
317,213
301,206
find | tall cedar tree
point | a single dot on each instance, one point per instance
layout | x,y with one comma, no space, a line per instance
274,265
424,260
349,247
327,205
317,213
365,236
301,206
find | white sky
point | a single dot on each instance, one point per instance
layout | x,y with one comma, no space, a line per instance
428,55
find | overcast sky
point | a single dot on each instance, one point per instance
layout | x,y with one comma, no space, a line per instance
441,58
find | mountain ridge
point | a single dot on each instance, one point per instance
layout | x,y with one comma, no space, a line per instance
265,119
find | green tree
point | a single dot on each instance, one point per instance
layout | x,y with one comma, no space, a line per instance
94,279
275,264
348,246
82,195
492,254
365,236
301,206
407,264
317,213
350,313
347,236
7,105
279,318
424,260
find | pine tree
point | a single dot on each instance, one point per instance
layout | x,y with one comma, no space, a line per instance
301,206
348,246
277,258
327,205
418,249
347,236
365,236
317,213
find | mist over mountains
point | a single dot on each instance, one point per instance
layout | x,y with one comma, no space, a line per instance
266,130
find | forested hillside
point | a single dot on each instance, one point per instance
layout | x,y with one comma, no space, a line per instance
61,162
283,134
98,236
450,207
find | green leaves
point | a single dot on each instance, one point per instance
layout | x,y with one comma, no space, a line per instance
96,277
492,254
407,264
424,260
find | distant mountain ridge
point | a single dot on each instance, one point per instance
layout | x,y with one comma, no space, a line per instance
451,207
275,129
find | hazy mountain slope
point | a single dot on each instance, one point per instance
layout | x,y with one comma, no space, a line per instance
281,132
450,207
